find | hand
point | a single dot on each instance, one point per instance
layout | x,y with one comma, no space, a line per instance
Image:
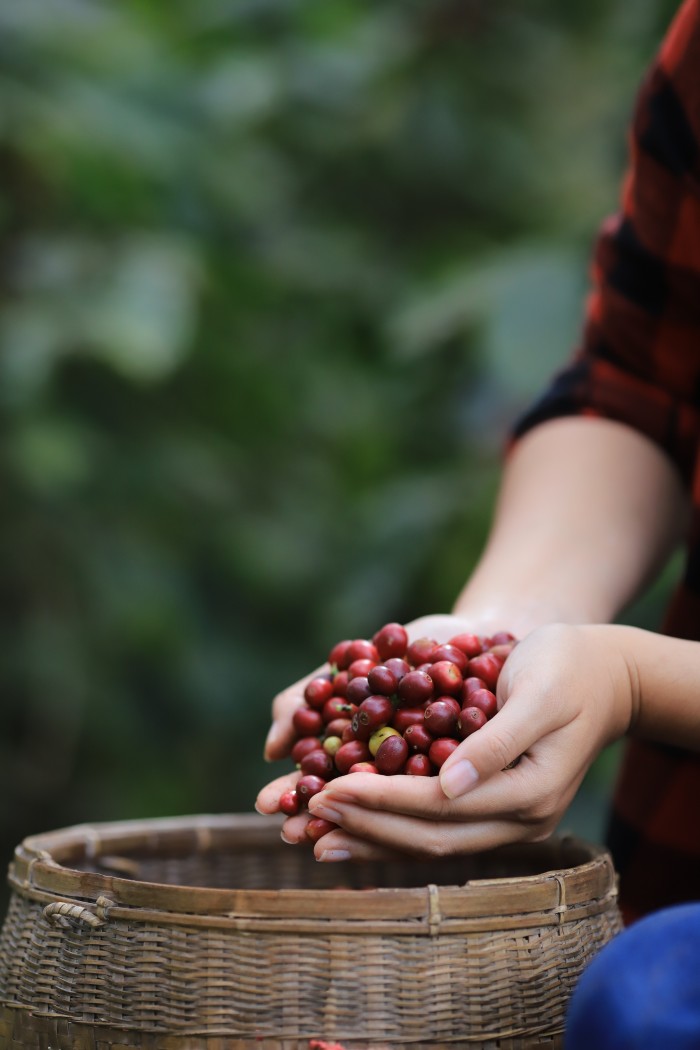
281,735
564,693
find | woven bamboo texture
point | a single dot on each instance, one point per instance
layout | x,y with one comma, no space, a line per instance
208,933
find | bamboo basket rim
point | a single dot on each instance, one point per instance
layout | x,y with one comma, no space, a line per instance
41,870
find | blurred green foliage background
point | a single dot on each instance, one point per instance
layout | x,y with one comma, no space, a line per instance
275,277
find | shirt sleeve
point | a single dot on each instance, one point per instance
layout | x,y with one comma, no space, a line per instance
639,358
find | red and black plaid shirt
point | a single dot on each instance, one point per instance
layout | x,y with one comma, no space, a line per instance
640,364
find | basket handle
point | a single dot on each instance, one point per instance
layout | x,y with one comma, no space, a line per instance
59,913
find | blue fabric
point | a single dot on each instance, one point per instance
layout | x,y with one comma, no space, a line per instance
642,991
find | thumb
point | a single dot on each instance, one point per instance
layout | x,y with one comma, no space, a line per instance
490,749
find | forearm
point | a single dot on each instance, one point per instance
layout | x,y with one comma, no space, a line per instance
665,685
588,512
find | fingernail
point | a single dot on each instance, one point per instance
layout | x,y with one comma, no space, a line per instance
260,811
321,809
459,778
290,842
334,855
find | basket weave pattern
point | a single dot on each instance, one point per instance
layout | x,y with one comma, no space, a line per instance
209,933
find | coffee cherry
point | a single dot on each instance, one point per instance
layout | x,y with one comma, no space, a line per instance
391,640
470,644
331,745
488,667
360,669
419,651
418,738
361,649
309,785
358,689
391,755
350,753
318,691
289,803
503,638
407,716
382,680
441,749
485,700
374,712
340,683
363,767
470,686
398,667
336,726
440,718
378,738
338,656
416,687
317,827
447,677
336,707
319,763
307,722
450,653
418,765
303,746
471,719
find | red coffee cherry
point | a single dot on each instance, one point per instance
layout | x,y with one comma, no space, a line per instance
471,719
418,738
350,753
485,700
358,689
361,649
309,785
340,683
307,722
441,749
317,827
447,677
416,687
470,644
338,656
418,765
363,767
407,716
487,667
450,653
419,651
391,755
289,803
319,763
440,718
391,640
303,746
318,691
382,680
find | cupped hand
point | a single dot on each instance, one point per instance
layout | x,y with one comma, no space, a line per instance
440,626
564,693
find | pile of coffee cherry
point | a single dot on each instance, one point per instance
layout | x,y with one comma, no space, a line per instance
387,706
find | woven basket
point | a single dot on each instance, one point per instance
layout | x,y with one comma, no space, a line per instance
208,933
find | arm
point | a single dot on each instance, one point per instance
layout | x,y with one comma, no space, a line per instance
588,512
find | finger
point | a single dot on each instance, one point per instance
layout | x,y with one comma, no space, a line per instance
423,797
269,797
426,838
281,734
293,830
339,845
507,736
